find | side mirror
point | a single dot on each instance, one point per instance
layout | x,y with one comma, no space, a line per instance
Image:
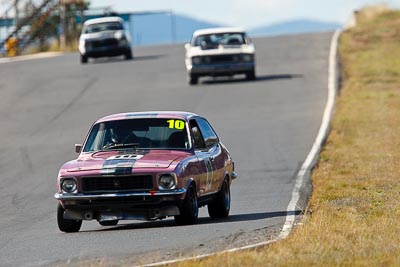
187,46
78,148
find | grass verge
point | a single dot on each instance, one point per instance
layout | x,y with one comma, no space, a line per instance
354,210
53,47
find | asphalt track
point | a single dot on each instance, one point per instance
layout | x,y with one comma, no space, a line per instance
47,105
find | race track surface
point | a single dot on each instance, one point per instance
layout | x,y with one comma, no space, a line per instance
47,105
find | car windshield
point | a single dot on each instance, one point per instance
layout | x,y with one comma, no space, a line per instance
105,26
225,39
139,134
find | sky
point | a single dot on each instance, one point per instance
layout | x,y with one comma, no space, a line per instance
248,13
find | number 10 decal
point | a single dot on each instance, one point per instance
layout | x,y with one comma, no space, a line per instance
176,124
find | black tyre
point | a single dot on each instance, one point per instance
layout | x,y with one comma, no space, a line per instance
109,223
84,59
220,207
193,79
128,55
189,210
251,75
65,225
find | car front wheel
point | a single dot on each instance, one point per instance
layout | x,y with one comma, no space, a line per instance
84,59
128,55
65,225
193,79
221,205
251,75
189,210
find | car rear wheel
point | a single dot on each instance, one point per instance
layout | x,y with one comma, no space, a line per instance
193,79
109,223
84,59
221,205
189,210
65,225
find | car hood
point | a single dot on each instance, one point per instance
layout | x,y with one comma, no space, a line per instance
220,50
114,161
101,35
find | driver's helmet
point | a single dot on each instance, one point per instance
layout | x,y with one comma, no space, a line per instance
120,133
206,41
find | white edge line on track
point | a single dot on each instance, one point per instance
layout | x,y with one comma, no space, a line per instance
309,163
305,168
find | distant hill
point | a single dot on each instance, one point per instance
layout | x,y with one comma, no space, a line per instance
293,27
156,28
164,28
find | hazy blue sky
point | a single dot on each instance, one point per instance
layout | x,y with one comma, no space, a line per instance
248,13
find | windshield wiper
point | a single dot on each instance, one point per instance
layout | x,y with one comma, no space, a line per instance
112,145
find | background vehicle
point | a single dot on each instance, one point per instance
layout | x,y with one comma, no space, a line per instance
147,166
219,52
104,37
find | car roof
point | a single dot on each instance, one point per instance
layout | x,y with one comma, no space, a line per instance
183,115
102,20
217,30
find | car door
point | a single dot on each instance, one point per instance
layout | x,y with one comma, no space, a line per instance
210,154
205,167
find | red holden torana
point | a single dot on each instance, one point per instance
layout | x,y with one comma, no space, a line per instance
145,165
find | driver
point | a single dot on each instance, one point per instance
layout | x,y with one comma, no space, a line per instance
122,134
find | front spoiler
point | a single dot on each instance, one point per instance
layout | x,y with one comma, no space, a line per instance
221,68
107,52
120,206
111,215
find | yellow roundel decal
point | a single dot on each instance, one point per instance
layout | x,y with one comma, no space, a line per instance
176,124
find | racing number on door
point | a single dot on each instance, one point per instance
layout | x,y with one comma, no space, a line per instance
209,169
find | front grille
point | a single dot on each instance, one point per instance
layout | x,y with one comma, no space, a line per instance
104,43
117,183
224,58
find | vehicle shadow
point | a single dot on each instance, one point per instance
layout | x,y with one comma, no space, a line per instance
259,78
121,59
200,221
150,57
248,217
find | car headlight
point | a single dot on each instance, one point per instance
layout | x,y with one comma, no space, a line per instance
196,60
123,41
247,57
166,181
119,35
69,185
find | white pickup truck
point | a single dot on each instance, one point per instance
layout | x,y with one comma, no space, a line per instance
220,52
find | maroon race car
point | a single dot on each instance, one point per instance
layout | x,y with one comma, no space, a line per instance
145,165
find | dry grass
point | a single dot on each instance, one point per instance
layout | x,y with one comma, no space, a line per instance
372,11
355,205
52,47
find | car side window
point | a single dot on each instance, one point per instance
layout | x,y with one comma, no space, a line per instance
210,137
197,136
